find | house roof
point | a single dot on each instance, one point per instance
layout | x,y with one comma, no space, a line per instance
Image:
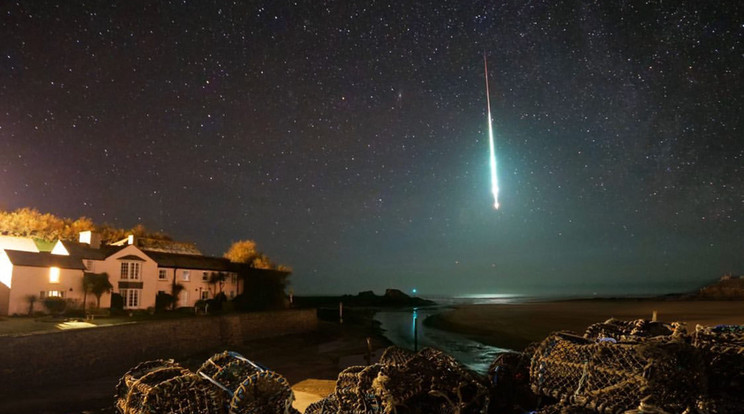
189,261
84,251
159,245
43,259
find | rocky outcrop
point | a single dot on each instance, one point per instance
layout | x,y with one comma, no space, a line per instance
728,287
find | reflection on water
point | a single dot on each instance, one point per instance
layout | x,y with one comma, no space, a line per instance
405,329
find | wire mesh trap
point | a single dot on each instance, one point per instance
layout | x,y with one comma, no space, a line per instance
405,382
225,383
614,377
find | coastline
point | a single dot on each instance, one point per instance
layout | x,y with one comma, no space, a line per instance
514,326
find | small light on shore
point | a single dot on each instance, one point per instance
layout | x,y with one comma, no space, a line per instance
414,291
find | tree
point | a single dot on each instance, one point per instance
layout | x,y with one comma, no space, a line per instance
97,284
242,251
263,290
31,299
217,279
176,289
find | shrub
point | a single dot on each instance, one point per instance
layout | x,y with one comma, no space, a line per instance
55,305
163,301
117,303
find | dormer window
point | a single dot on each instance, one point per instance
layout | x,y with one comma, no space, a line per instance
54,275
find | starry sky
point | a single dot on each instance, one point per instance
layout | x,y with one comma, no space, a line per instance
349,139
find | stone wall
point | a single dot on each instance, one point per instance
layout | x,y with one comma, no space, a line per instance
42,359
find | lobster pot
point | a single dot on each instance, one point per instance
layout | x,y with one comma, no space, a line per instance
722,348
563,409
354,393
509,375
328,405
228,369
428,382
162,386
264,392
609,377
252,388
631,330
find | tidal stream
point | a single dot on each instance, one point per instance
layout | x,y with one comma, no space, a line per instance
405,328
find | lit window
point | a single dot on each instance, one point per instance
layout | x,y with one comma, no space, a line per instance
51,294
186,275
161,274
54,275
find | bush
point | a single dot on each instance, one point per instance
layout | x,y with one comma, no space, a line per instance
117,303
163,301
55,305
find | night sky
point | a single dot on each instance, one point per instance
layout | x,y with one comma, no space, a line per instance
350,141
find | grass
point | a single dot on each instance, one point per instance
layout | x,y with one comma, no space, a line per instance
18,325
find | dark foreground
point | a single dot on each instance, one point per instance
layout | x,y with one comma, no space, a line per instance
320,355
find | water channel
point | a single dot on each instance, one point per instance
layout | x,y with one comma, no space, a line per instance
405,328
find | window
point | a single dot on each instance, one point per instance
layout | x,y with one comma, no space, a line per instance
205,276
232,294
130,270
186,275
54,275
52,294
205,294
161,274
131,298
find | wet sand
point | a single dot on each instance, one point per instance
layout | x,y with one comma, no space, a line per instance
514,326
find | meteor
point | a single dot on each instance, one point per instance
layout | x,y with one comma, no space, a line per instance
491,144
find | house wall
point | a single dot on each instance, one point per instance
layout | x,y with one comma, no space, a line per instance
149,275
4,299
6,277
194,286
27,280
109,351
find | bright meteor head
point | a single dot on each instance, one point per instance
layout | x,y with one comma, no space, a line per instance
491,144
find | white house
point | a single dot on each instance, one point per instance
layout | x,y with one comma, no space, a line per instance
135,272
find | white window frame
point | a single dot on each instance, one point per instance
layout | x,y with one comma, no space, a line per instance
186,275
132,298
204,294
131,270
52,294
162,274
205,276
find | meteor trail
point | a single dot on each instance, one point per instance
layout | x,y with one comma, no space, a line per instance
491,144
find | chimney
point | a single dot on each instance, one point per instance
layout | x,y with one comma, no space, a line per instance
91,239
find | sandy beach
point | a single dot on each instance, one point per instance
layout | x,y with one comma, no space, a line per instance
514,326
